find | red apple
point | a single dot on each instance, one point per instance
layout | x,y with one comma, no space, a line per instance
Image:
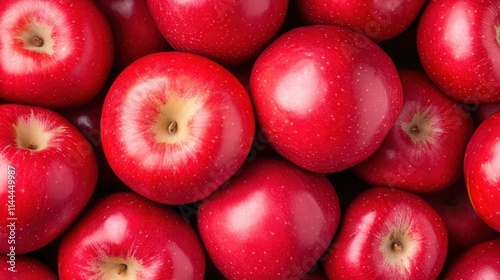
229,32
325,96
272,220
24,267
465,228
126,236
479,262
388,234
458,45
53,53
424,150
49,174
482,170
134,31
175,126
378,20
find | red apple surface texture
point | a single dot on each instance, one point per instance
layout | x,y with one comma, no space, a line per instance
325,97
175,126
134,31
126,236
481,261
482,170
53,53
425,148
24,267
271,221
388,233
465,227
378,20
458,45
229,32
50,173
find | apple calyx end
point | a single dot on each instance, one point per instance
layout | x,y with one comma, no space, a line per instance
32,146
121,268
172,128
396,246
37,41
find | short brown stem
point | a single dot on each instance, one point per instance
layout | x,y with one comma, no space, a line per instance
397,246
414,129
122,268
172,127
37,41
32,146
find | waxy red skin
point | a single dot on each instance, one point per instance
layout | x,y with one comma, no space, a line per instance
428,164
271,221
376,214
378,20
26,268
465,228
229,32
79,65
52,185
216,113
482,169
128,227
325,97
458,48
481,261
134,31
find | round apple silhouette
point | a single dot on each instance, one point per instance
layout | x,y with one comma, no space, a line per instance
50,173
126,236
273,220
481,261
325,96
175,126
53,53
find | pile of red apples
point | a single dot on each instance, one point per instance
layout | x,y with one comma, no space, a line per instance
249,139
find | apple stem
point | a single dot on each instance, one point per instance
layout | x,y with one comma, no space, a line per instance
32,146
122,267
172,127
37,41
397,246
414,129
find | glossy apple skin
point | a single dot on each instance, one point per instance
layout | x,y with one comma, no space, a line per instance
325,97
428,164
134,31
79,65
378,20
375,214
271,221
481,261
52,185
458,46
220,127
465,227
127,226
482,170
26,268
229,32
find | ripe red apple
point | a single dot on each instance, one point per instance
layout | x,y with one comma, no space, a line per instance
378,20
126,236
49,174
482,261
325,96
482,170
24,267
424,150
175,126
229,32
458,45
272,220
53,53
388,233
465,228
134,31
